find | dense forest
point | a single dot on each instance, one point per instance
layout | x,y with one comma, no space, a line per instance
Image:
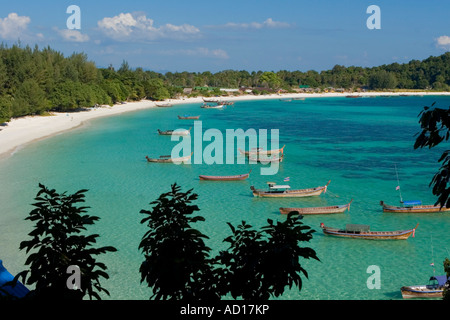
36,81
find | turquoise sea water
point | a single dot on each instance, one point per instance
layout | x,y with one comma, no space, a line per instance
355,143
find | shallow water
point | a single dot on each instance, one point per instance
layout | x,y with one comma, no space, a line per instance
355,143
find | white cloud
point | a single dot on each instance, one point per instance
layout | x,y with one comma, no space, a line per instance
72,35
137,27
269,23
443,41
199,52
13,26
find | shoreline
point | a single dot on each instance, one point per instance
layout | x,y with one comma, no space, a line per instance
23,131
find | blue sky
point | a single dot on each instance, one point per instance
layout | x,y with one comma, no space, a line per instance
199,35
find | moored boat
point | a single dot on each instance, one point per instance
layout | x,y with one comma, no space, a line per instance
226,178
189,117
207,106
264,159
318,210
175,132
164,105
283,191
360,231
413,207
226,103
261,151
434,289
210,100
169,159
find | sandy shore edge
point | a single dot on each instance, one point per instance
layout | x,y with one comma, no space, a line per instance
22,131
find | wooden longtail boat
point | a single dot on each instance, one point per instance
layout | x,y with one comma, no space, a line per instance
260,151
175,132
169,159
164,105
434,289
266,159
358,231
225,103
409,207
189,117
226,178
282,191
210,100
207,106
317,210
414,206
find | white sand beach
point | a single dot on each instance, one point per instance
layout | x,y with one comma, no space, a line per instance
22,131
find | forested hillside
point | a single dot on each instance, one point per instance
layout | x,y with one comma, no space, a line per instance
35,81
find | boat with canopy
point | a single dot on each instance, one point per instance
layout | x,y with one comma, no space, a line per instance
434,289
411,206
283,191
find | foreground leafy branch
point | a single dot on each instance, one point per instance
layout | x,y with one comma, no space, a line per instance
257,264
435,124
57,243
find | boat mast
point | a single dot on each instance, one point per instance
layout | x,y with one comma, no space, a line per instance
398,181
432,257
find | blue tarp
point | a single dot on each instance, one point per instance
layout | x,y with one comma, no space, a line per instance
412,203
440,279
18,291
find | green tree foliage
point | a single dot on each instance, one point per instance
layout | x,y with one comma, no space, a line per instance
270,79
382,80
257,264
5,108
176,258
70,95
446,293
29,99
59,241
435,124
34,80
261,264
155,90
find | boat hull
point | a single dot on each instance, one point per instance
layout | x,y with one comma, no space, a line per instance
175,133
240,177
317,210
189,118
411,292
369,235
219,106
289,193
224,178
265,160
413,209
261,153
169,160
